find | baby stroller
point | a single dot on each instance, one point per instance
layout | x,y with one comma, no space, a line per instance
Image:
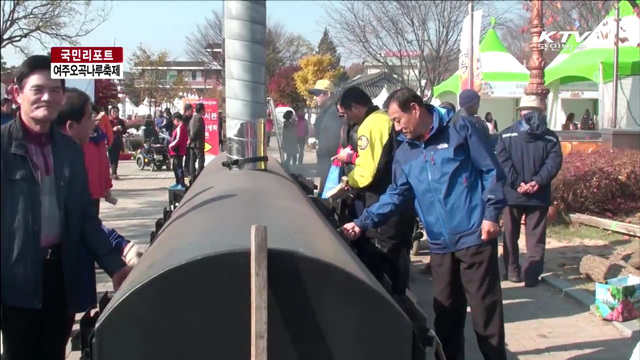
153,153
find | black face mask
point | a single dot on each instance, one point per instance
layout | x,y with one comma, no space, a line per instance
536,121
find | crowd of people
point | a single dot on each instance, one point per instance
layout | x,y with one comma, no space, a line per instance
449,168
459,175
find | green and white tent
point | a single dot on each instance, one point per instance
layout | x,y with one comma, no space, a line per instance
500,70
590,67
504,79
572,97
584,64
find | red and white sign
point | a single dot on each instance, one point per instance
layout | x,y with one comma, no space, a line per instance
211,146
87,63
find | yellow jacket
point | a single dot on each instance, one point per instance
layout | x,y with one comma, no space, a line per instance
373,134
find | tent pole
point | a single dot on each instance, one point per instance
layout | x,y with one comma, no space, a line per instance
471,57
616,56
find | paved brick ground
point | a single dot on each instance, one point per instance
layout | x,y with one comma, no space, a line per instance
540,324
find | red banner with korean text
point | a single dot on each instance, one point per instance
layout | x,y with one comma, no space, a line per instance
211,146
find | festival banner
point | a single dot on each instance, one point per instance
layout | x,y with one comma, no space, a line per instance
464,52
211,146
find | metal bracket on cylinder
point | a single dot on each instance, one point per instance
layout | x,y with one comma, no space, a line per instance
239,163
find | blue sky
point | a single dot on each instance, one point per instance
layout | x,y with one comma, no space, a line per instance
164,25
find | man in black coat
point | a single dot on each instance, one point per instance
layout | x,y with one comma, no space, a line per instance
328,128
196,142
531,156
48,219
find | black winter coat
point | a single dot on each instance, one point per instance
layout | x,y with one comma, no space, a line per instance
529,153
22,257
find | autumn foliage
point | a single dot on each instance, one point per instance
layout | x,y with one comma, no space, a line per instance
282,87
312,69
106,92
601,183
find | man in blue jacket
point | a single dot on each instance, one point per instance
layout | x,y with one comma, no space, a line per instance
531,156
446,163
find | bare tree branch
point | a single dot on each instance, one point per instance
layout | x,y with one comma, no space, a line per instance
283,48
49,22
416,41
558,16
207,34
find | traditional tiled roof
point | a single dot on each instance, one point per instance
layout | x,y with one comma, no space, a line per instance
373,84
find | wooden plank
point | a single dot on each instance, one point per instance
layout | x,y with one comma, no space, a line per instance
258,292
619,227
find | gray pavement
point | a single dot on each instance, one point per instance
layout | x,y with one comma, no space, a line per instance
540,324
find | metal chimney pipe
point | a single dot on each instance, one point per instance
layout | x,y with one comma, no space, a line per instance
245,34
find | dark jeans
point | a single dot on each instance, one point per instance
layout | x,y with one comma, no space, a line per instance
289,158
302,142
268,138
197,157
322,171
469,276
536,238
114,157
178,170
39,334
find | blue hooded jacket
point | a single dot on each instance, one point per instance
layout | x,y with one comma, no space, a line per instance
455,177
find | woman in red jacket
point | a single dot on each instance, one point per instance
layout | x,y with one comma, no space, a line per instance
177,150
97,164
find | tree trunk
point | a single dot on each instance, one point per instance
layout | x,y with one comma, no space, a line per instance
600,269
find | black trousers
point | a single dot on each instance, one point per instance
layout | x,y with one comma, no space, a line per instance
39,334
196,158
536,238
187,163
178,170
96,204
395,266
114,157
469,276
302,143
322,171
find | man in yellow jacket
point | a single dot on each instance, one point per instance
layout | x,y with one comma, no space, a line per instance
385,251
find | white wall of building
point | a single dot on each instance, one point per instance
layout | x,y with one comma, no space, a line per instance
628,104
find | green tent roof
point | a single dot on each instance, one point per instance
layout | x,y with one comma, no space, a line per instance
491,43
504,68
584,65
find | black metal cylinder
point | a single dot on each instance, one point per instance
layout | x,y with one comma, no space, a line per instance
189,296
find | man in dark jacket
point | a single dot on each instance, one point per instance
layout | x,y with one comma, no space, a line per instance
531,156
328,127
456,182
469,101
196,142
48,217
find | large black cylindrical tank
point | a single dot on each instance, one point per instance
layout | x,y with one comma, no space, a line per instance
189,296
